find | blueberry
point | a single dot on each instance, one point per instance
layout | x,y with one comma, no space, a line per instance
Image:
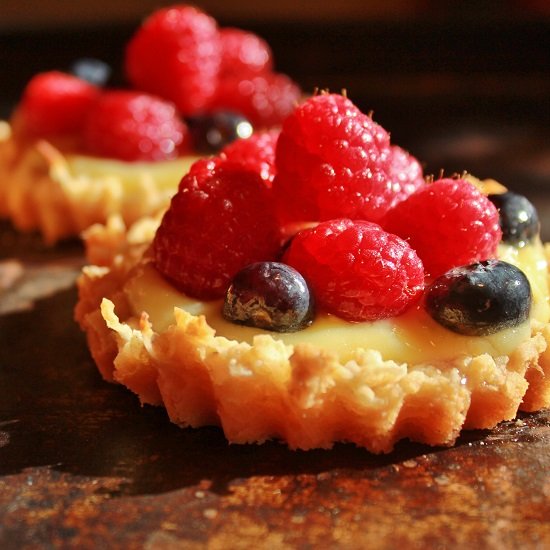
519,220
93,70
211,132
271,296
480,299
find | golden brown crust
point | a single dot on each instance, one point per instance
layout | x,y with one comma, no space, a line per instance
538,376
61,195
298,394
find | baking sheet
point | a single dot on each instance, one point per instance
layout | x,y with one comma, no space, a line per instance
82,464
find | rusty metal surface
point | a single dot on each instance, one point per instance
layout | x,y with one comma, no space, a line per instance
82,465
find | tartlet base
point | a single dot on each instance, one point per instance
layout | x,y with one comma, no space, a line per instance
299,394
59,193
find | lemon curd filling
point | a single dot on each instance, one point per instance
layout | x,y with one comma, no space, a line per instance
413,337
136,180
142,182
131,173
531,259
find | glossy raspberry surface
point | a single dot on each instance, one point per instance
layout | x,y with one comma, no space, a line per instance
265,99
176,54
449,223
244,53
357,271
405,173
220,220
131,126
332,161
56,103
256,153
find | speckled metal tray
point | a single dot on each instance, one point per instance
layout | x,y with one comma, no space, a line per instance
82,465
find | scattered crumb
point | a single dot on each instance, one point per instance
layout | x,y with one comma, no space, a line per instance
10,272
210,513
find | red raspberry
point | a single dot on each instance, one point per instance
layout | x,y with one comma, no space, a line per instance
449,223
256,153
56,103
332,162
357,270
129,125
220,220
405,173
244,53
265,100
176,54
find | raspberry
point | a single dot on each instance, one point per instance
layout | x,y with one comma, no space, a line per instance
265,99
357,271
176,54
332,161
56,103
244,53
256,153
131,126
405,173
220,220
449,223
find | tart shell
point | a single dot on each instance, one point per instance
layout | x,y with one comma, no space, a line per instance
60,194
299,394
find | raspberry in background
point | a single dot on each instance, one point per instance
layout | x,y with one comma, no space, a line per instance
357,271
405,174
220,220
56,103
257,153
332,161
265,100
130,126
449,223
176,54
244,53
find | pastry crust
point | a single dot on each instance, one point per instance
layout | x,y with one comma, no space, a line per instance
61,194
298,394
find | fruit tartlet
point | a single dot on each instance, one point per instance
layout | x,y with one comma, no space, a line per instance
76,150
322,290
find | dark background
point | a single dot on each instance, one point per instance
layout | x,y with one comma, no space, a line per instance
462,85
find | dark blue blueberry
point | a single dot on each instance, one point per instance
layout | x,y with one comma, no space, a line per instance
519,220
211,132
93,70
480,299
271,296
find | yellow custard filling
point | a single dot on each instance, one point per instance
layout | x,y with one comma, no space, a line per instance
141,186
132,179
166,174
413,337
